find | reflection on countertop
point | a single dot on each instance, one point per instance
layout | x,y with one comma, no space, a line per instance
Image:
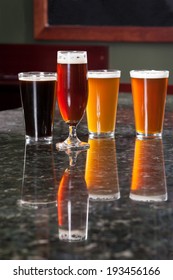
148,175
73,202
108,196
102,187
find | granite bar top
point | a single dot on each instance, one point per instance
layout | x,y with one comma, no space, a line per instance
102,196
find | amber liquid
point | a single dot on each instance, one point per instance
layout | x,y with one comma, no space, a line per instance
72,91
102,104
149,96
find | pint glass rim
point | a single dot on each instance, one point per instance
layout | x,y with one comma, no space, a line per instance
149,74
37,76
104,73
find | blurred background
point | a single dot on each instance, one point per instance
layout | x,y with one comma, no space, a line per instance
17,27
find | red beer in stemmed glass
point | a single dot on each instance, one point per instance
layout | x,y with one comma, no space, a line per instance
72,94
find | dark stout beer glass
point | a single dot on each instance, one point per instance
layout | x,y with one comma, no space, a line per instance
72,94
38,96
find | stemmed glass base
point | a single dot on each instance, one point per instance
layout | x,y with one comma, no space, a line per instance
72,142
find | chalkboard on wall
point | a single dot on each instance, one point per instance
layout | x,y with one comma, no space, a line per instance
110,12
104,20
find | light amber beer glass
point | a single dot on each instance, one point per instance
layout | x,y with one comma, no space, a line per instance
149,89
103,88
148,176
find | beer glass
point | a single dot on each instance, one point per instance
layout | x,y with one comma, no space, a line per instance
101,171
103,88
72,94
73,203
148,176
149,88
38,96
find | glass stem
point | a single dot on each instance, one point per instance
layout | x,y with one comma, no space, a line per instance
73,134
73,158
72,131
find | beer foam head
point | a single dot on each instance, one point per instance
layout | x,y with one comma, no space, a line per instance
37,76
149,74
72,57
104,74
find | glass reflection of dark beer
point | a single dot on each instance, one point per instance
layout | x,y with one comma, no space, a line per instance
72,94
39,181
101,172
38,95
73,204
148,177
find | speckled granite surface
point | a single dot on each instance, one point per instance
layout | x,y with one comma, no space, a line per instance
118,229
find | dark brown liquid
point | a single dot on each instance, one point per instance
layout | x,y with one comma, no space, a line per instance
38,99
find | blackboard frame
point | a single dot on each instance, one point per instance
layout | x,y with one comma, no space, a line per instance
44,31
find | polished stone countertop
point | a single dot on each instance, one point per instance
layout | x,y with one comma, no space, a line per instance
104,195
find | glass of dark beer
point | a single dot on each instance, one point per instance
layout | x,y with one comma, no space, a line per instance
72,94
38,96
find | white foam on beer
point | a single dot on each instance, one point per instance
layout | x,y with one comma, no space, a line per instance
31,76
149,74
72,57
100,74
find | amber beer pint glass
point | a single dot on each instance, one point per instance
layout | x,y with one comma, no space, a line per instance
103,87
149,89
38,96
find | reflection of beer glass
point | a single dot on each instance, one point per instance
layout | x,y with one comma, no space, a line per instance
73,204
149,89
103,88
72,94
148,178
101,173
39,182
38,95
